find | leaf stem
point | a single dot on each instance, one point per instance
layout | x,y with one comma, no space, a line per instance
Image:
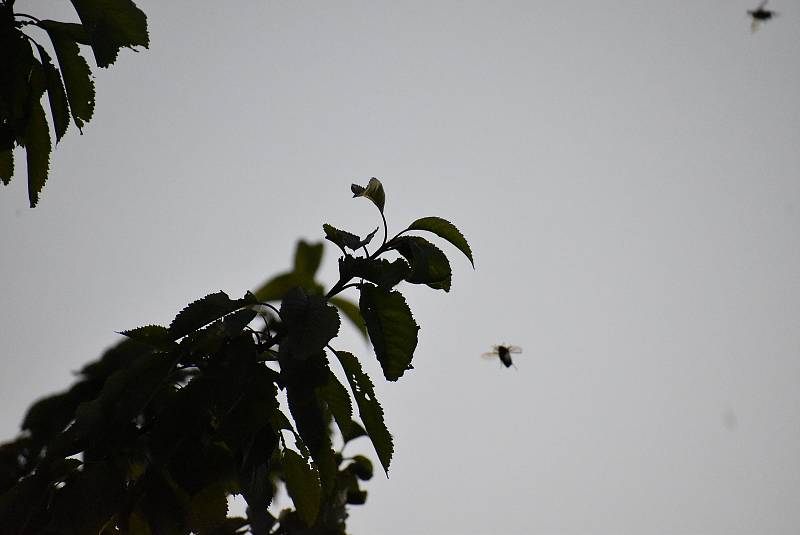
385,229
27,16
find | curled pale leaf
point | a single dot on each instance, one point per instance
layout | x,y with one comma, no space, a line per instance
373,191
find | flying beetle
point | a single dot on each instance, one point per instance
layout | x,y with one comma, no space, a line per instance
503,352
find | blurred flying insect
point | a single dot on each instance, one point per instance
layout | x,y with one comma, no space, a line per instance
503,352
760,15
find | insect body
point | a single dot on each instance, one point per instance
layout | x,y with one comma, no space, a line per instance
760,15
503,352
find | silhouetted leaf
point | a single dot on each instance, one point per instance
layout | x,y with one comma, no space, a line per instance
37,145
111,25
310,321
392,329
6,166
338,401
378,270
233,323
77,78
373,191
429,265
303,486
444,229
369,409
351,312
346,239
203,311
59,109
155,336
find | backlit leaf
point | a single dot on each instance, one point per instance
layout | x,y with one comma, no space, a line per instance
152,335
59,109
373,191
429,265
392,329
77,78
343,239
303,486
338,401
37,146
111,25
369,410
203,311
444,229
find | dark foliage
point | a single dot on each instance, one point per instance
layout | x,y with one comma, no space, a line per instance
27,72
156,434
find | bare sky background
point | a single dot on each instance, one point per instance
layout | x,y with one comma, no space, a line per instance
627,173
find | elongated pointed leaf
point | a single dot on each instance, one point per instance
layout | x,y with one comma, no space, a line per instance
37,145
111,25
369,410
59,109
373,191
77,78
335,396
429,265
6,166
392,329
351,312
206,310
303,486
444,229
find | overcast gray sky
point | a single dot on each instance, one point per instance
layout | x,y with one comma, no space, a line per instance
627,173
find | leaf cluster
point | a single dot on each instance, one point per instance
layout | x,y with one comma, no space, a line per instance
29,72
156,434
